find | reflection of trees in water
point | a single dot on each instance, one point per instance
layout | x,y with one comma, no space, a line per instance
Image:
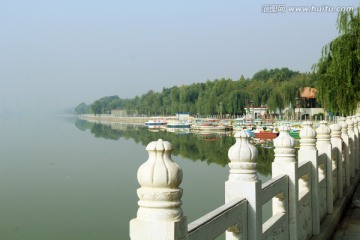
265,158
209,150
83,125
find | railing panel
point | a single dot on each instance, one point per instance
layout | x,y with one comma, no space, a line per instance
351,143
335,173
304,168
308,180
338,172
345,150
277,227
322,199
218,221
305,205
305,216
272,187
322,187
304,181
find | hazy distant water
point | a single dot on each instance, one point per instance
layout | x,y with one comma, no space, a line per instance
58,182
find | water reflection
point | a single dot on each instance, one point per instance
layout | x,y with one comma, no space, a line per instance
209,147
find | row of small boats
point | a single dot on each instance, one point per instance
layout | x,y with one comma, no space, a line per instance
196,125
216,125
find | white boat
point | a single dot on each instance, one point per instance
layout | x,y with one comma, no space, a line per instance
178,124
156,122
208,125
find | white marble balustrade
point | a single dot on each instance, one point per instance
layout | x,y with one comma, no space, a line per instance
309,188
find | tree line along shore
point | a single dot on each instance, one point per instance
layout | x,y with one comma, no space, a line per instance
336,78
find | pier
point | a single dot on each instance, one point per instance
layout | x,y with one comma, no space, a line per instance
310,190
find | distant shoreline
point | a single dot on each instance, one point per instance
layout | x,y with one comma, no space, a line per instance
108,118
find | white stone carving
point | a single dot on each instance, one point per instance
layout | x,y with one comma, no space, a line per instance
285,163
358,120
350,124
351,135
159,215
323,133
345,150
335,130
242,157
243,182
343,125
284,146
305,217
322,198
159,178
307,136
336,160
355,122
324,147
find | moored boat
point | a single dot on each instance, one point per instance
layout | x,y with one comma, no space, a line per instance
178,124
295,133
208,125
265,135
156,122
251,133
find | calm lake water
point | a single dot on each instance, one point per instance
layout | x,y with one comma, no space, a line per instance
65,179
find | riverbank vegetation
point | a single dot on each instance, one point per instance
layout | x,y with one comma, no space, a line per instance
275,88
336,77
338,70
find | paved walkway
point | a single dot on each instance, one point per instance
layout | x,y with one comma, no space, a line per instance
349,226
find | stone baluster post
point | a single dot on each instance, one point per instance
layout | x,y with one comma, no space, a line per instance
308,152
159,215
285,163
244,182
345,149
351,135
323,146
356,142
336,144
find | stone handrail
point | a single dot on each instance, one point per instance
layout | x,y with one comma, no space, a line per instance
308,190
218,221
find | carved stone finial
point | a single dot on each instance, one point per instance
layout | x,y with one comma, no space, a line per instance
355,121
284,146
358,119
335,130
242,157
323,133
343,124
307,136
159,178
350,124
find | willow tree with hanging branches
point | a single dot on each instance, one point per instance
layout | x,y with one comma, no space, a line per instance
338,70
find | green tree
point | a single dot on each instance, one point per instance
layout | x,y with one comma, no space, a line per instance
338,70
82,108
275,88
96,107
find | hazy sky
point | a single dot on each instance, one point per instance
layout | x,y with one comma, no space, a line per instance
58,53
